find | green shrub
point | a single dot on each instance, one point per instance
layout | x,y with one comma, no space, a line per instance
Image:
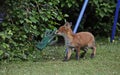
26,21
98,17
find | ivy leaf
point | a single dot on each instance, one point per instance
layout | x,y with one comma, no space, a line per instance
1,52
69,5
28,21
33,19
21,21
63,4
40,0
10,32
66,15
59,18
101,14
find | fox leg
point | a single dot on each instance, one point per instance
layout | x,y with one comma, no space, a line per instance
93,47
68,55
78,53
93,52
83,54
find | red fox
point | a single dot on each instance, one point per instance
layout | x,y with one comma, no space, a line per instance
77,41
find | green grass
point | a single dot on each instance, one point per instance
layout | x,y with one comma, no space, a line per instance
106,62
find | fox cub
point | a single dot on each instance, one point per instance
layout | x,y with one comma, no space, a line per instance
77,41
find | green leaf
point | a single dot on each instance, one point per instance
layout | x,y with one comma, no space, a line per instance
40,0
101,14
33,19
59,18
5,45
24,36
10,32
66,15
63,4
69,5
21,21
1,52
28,21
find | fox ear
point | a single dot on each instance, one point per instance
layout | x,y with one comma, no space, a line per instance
67,24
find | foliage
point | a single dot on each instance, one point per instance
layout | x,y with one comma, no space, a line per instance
100,16
26,21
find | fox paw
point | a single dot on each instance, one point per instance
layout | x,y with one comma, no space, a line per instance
92,56
65,60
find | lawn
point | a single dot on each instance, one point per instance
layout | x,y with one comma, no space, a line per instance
106,62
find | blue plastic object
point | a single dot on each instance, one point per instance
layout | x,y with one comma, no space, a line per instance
115,21
79,18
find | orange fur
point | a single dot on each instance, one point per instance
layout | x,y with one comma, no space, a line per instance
78,41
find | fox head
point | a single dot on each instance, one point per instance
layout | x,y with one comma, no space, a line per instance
65,29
